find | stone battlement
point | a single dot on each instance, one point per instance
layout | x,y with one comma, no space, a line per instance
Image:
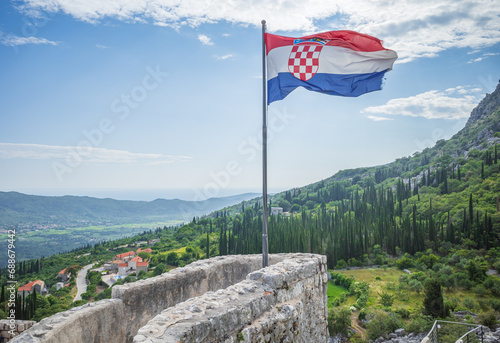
222,299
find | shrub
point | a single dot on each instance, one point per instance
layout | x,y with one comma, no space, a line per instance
362,314
160,268
495,304
362,300
405,263
469,304
419,276
415,286
341,264
452,303
103,295
480,291
488,319
403,312
386,299
428,260
383,323
476,269
358,288
339,321
484,304
419,323
492,284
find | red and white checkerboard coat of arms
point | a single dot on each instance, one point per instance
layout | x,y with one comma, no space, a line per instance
303,62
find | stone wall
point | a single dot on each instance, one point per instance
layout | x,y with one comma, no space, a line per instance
286,302
7,327
133,305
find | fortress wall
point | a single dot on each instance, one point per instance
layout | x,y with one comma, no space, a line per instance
133,305
286,302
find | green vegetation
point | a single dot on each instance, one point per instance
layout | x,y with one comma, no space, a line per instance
436,214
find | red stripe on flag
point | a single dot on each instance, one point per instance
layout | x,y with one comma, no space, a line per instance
343,38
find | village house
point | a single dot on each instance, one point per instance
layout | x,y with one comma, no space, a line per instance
33,286
135,265
276,210
123,269
126,256
133,262
64,275
148,250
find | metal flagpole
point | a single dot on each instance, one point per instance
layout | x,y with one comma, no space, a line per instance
265,248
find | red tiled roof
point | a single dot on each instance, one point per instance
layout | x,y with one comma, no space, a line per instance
123,265
149,250
142,264
62,271
137,259
125,254
29,285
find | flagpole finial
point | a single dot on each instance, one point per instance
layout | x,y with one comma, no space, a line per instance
263,22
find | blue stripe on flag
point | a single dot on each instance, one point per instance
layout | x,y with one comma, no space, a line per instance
352,85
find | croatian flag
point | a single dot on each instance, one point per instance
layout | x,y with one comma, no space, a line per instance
344,63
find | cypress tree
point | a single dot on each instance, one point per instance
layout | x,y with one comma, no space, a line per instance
433,299
208,245
432,231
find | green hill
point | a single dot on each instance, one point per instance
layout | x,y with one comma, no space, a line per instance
22,209
50,225
443,196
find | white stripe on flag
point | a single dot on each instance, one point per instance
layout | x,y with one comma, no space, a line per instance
334,60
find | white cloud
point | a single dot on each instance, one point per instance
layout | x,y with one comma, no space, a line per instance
205,40
485,55
375,118
13,40
100,46
224,57
414,28
86,154
453,103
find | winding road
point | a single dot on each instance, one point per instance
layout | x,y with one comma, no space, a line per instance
81,283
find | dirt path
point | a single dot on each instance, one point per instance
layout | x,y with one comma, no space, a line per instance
355,325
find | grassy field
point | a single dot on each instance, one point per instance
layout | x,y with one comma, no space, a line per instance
384,280
387,280
334,291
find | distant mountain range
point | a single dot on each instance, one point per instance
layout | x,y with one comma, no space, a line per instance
17,209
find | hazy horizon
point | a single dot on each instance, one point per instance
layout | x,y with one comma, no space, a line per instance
187,194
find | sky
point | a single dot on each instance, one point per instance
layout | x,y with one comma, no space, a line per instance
140,99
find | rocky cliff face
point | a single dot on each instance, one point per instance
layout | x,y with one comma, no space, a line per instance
489,104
